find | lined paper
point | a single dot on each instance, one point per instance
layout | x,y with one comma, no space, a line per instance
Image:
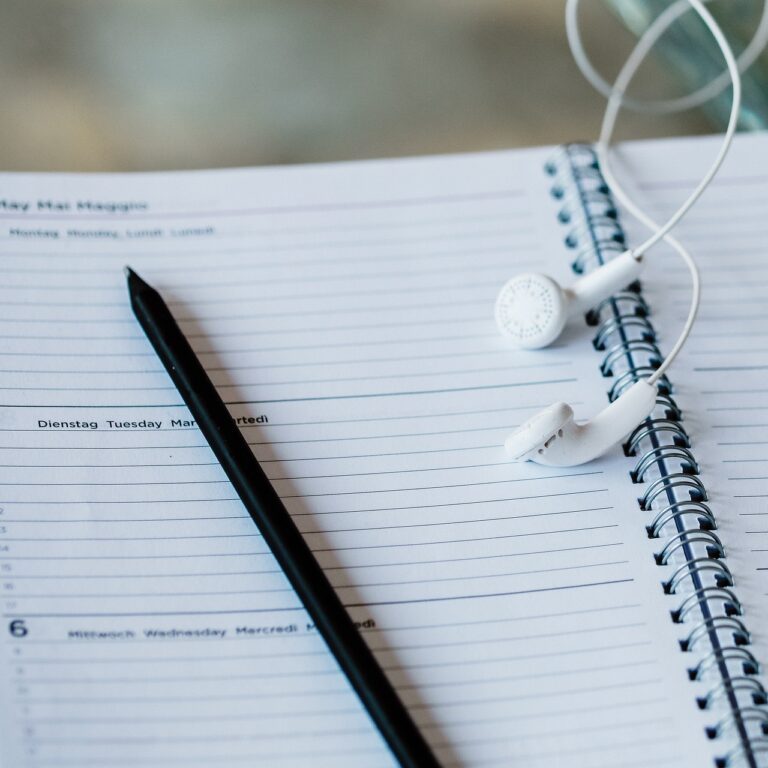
720,376
345,314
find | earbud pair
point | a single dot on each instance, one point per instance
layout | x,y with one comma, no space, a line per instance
532,310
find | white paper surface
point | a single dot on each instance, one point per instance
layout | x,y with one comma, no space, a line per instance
720,378
345,313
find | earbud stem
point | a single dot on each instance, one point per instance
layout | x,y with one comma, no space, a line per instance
611,425
554,439
612,276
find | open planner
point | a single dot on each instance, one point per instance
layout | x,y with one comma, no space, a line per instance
609,615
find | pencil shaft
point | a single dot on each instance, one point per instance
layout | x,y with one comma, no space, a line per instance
278,529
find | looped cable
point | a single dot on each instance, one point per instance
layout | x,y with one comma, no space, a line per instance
633,375
594,252
579,202
619,325
723,575
579,155
635,299
694,600
671,408
746,715
733,685
602,227
714,546
662,454
595,204
654,427
674,480
679,509
625,348
749,663
717,623
757,746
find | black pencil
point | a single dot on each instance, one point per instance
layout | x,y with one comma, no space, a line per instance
278,529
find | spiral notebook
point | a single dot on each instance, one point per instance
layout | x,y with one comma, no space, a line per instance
613,614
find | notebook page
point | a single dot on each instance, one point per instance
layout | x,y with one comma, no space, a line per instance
345,313
720,376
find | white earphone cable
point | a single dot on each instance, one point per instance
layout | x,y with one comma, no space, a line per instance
635,59
614,106
660,25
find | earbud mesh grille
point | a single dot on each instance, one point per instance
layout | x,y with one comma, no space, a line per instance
526,307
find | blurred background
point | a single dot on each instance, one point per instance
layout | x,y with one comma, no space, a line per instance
165,84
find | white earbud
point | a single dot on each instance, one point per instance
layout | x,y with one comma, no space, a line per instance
532,309
554,439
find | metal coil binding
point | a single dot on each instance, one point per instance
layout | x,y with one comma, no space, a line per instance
675,495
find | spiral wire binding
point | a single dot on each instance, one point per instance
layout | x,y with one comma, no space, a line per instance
673,493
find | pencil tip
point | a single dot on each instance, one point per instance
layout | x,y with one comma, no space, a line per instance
135,283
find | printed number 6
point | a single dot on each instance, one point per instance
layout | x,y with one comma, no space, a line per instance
17,628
